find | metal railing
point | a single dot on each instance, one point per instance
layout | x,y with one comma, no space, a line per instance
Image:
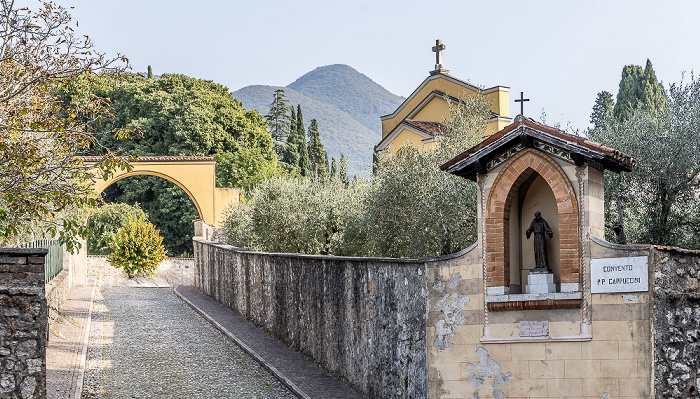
53,262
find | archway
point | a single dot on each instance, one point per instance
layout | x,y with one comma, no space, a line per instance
195,175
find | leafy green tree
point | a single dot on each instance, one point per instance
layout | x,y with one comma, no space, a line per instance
42,182
658,202
167,205
178,115
414,209
343,170
602,109
137,247
150,72
318,158
410,208
278,121
104,222
639,88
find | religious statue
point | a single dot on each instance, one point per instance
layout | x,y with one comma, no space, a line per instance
540,227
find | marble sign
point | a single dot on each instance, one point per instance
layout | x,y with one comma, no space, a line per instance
534,328
629,274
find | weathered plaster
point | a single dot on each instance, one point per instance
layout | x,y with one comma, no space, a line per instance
487,368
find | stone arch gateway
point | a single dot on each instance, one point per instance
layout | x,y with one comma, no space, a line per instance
195,175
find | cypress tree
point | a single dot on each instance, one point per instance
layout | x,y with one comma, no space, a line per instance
291,152
602,109
343,170
318,159
278,121
639,88
150,72
334,169
304,163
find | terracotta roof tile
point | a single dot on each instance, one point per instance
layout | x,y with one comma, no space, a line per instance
428,127
166,158
610,152
676,249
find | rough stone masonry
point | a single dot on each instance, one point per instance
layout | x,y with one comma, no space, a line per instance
23,323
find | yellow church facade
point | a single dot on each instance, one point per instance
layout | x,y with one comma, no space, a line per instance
419,118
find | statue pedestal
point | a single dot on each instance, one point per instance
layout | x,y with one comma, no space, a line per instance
540,283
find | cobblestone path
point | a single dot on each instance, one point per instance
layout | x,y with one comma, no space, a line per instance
147,343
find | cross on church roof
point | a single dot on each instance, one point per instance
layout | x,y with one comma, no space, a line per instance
521,101
437,49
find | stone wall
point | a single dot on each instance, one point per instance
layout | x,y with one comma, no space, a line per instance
362,319
23,316
677,323
56,294
170,272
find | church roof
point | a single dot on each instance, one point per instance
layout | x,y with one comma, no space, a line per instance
527,133
449,78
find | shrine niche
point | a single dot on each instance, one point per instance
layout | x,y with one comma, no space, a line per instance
537,179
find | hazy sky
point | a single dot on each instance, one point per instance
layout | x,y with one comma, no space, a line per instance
560,53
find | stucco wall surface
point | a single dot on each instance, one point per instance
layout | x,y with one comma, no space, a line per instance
362,319
23,317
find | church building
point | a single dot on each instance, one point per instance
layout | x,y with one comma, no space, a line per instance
419,118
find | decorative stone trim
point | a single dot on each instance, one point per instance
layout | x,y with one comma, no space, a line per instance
497,215
534,305
554,296
552,338
569,287
550,149
504,157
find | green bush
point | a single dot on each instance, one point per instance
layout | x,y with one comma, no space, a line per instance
104,223
137,247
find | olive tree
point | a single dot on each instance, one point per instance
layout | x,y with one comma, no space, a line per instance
659,201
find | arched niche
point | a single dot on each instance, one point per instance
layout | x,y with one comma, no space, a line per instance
503,205
534,194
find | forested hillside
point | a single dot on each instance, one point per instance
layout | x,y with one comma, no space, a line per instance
346,103
340,133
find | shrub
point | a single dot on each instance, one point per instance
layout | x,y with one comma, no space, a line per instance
137,247
104,223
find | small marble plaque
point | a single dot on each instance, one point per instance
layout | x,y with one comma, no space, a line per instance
534,328
629,274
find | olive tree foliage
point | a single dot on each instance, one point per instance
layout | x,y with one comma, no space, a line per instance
40,134
410,208
296,215
659,201
414,209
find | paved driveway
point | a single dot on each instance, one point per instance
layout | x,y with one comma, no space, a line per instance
147,343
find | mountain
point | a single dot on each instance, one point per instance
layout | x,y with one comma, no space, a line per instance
346,103
351,91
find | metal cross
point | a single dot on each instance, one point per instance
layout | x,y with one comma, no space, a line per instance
437,49
521,101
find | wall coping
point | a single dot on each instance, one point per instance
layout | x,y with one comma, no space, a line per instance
23,251
231,248
629,247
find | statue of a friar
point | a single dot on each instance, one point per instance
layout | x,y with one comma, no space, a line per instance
539,227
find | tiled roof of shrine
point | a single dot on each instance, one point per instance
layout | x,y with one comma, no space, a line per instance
528,133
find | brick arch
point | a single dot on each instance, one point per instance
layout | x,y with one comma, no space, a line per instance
498,206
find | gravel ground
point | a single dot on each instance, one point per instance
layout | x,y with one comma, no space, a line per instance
147,343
